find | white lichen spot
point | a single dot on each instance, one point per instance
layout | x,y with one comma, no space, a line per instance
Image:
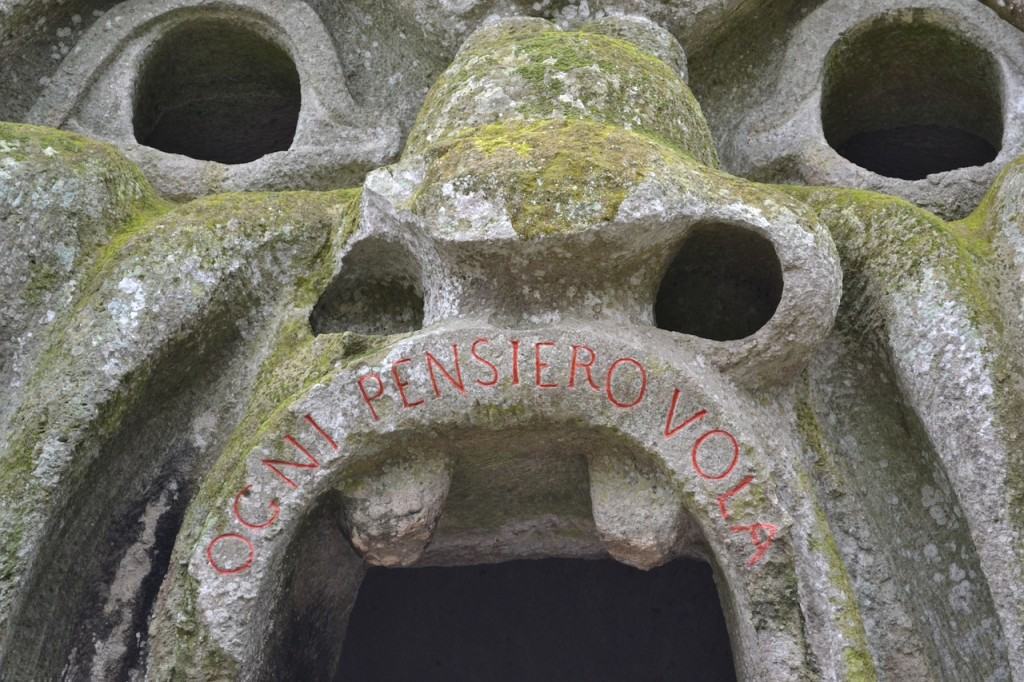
472,215
203,429
127,309
52,462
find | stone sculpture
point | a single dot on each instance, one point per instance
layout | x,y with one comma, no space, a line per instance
274,312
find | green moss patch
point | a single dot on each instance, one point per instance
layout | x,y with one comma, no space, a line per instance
563,75
551,177
856,654
885,243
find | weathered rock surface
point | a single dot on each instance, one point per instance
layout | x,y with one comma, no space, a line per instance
555,325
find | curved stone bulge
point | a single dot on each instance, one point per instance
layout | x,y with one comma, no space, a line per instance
529,70
941,299
136,382
416,38
1011,12
453,398
262,107
63,198
695,23
598,147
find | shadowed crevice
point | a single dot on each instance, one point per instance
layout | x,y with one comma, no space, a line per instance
377,291
552,619
724,284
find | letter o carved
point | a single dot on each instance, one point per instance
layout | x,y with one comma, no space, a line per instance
244,566
732,464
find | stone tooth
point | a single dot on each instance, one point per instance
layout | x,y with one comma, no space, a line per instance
390,514
638,514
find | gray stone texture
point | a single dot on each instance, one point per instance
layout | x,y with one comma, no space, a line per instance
529,280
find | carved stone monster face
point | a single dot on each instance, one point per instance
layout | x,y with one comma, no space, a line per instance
553,326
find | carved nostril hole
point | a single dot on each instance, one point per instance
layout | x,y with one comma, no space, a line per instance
378,291
215,91
906,98
724,284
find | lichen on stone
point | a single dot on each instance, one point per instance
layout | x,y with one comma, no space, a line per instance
556,176
553,74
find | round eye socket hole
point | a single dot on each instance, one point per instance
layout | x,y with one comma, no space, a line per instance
215,91
724,284
905,98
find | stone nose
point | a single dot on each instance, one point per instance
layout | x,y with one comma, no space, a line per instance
559,175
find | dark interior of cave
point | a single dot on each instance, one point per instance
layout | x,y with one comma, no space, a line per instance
551,619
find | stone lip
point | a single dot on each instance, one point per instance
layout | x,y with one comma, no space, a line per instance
336,141
646,387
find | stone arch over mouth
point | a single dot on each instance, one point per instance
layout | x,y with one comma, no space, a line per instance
553,491
448,502
575,448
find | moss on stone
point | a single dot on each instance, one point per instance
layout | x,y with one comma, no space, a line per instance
82,195
567,175
982,230
45,278
349,202
257,230
857,659
563,75
196,656
295,362
814,438
105,197
551,177
21,141
885,243
131,194
977,232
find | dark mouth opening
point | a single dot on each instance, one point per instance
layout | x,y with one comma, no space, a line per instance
551,619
